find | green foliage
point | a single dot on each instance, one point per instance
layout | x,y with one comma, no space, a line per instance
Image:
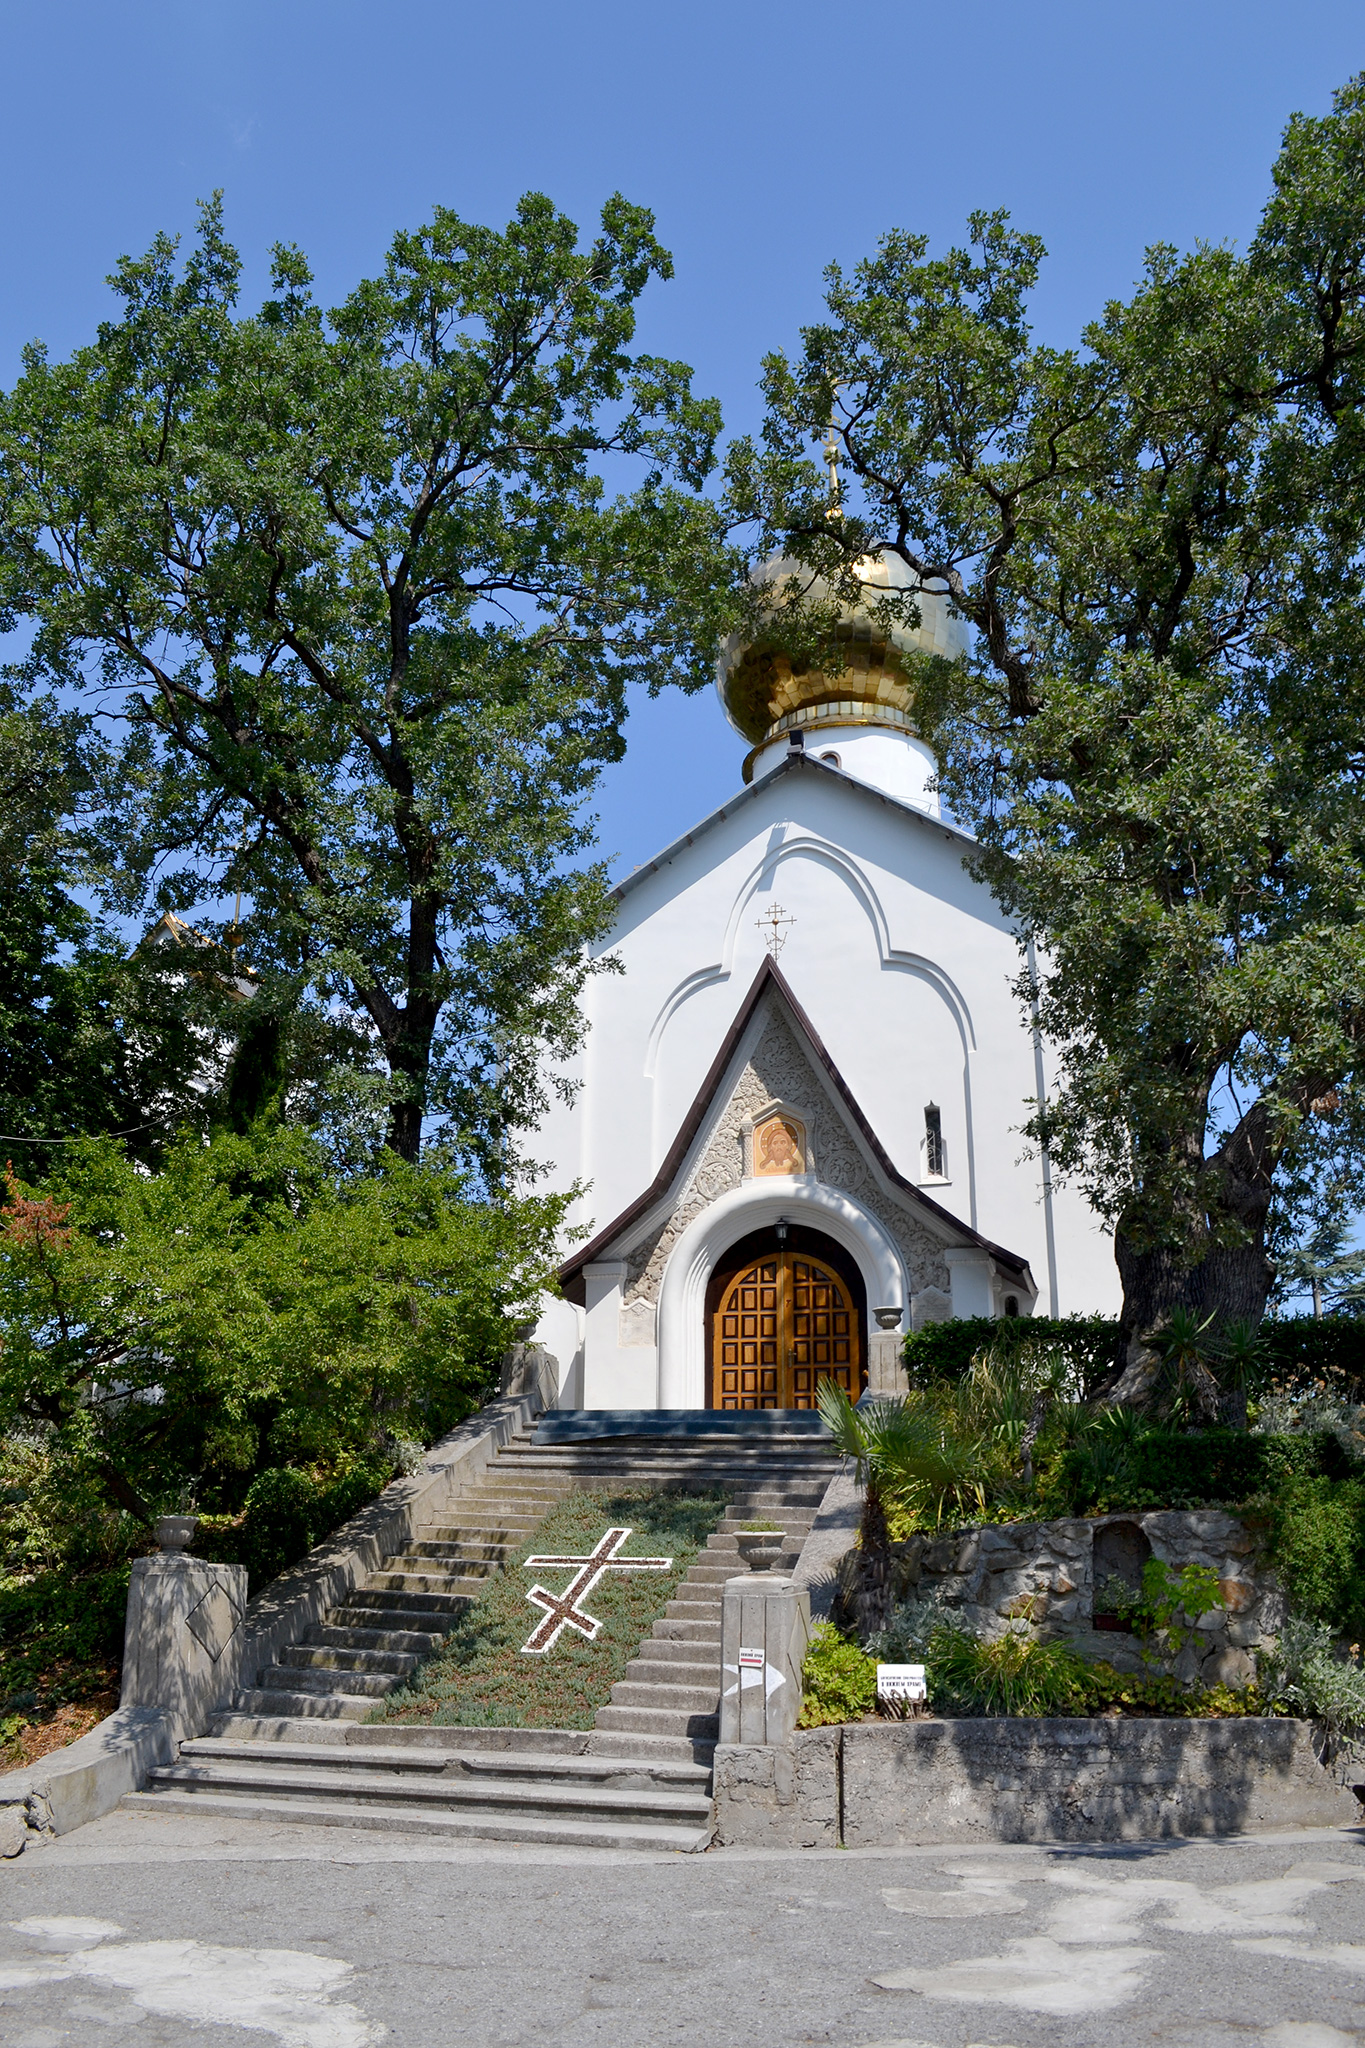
1156,534
1313,1414
1101,1462
1103,1690
286,1512
1172,1602
61,1636
1014,1673
372,614
90,1040
838,1680
480,1679
908,1451
951,1446
944,1351
1303,1352
1317,1539
243,1308
1304,1673
906,1636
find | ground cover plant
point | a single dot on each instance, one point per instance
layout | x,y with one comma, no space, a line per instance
479,1677
838,1680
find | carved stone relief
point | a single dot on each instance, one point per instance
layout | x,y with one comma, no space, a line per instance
780,1071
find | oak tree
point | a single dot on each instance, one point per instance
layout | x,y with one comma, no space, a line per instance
358,585
1157,538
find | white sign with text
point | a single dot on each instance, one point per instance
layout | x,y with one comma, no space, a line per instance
902,1682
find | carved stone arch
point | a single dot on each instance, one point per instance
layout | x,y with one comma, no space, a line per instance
756,1205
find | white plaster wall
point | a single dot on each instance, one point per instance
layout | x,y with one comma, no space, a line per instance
890,761
904,966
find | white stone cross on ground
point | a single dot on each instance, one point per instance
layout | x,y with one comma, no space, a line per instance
562,1609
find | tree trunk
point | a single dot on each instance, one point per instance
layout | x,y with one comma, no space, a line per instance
1230,1284
873,1602
409,1057
405,1130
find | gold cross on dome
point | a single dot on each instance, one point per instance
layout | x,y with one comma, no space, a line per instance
770,924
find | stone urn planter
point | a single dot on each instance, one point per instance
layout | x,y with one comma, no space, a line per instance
759,1549
176,1532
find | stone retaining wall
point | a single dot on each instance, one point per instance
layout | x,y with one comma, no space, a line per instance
1044,1575
890,1785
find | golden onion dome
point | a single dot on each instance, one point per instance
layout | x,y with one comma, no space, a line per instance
768,691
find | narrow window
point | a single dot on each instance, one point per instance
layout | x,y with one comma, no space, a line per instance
1011,1304
935,1153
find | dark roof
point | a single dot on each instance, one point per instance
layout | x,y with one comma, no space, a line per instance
797,760
769,976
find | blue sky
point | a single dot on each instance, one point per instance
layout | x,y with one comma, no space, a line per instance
768,140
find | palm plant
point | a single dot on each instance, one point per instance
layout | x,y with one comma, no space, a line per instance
914,1453
1190,1388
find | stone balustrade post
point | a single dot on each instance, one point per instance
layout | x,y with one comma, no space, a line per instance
182,1640
765,1627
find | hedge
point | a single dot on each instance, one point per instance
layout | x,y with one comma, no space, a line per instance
944,1351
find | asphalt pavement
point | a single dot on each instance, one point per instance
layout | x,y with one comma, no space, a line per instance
193,1933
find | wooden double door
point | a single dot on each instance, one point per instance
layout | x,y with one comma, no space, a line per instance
781,1322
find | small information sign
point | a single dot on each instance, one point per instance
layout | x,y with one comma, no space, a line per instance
751,1660
902,1682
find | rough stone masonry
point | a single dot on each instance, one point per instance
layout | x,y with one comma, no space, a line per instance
1044,1576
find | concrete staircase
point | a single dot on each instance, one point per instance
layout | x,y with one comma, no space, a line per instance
294,1747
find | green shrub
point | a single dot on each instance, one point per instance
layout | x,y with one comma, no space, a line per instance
61,1636
1305,1674
838,1680
1317,1540
1120,1462
287,1512
1011,1674
1301,1352
944,1351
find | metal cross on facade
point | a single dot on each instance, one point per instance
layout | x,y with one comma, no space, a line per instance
770,924
562,1610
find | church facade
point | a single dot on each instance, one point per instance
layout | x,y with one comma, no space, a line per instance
797,1116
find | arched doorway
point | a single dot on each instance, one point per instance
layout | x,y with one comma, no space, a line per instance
780,1316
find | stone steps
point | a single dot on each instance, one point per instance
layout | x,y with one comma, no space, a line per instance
281,1703
326,1657
640,1778
704,1652
370,1685
332,1635
442,1756
661,1720
468,1824
611,1792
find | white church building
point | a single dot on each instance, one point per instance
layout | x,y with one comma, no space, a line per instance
797,1120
